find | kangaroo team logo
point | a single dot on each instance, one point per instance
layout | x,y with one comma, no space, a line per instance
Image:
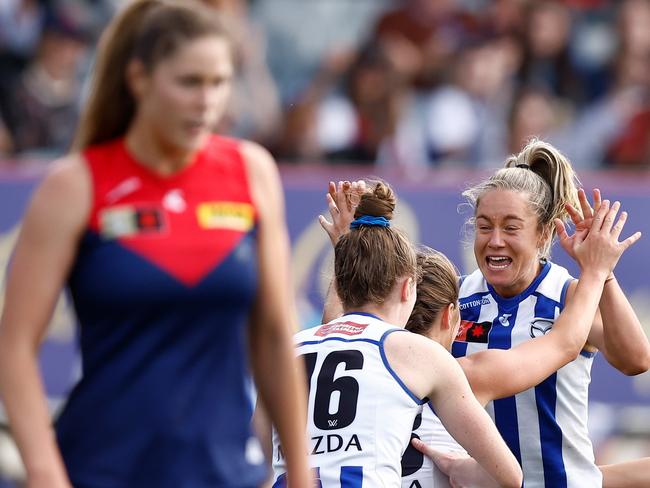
540,327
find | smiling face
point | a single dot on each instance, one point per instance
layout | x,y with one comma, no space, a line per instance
507,241
185,94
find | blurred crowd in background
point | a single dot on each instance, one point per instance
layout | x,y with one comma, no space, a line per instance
407,83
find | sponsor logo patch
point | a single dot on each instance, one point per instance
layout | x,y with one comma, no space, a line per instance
475,303
474,331
226,215
347,328
539,327
128,220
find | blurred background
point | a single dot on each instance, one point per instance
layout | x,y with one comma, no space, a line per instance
429,94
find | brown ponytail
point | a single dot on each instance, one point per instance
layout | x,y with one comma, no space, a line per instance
147,30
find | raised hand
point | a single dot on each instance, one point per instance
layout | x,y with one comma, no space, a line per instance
597,248
581,219
342,201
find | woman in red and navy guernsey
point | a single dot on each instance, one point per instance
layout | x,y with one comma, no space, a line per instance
174,248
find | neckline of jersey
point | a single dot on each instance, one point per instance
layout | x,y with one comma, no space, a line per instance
508,302
364,314
148,172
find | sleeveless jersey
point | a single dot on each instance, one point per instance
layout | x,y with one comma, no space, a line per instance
163,282
545,426
418,471
360,413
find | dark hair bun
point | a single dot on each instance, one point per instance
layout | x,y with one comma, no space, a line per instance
378,201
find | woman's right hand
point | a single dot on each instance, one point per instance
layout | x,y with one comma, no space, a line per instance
597,249
342,202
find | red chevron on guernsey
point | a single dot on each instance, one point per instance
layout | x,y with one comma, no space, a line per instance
186,241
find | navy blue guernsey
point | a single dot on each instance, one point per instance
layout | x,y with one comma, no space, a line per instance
163,283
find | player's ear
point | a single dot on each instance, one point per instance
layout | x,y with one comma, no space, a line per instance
408,289
447,315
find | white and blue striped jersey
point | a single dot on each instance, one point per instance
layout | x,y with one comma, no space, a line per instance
418,471
545,426
360,413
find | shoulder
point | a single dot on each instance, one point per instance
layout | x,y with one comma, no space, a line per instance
67,179
472,283
557,284
258,160
263,176
412,348
64,196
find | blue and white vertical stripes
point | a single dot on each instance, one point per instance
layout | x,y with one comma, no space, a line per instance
546,426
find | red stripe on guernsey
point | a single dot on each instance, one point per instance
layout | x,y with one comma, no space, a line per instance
185,223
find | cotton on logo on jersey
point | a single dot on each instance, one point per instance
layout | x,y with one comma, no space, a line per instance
473,331
475,303
347,328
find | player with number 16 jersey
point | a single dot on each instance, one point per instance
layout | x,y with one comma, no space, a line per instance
360,441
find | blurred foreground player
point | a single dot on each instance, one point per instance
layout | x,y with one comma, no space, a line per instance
172,242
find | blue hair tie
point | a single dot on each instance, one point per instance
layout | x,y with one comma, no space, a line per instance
371,221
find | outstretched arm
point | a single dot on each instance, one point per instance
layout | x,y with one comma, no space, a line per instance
630,474
597,252
430,371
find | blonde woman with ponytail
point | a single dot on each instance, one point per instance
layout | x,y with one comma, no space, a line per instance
172,242
517,293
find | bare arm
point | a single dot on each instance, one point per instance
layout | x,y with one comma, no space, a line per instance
597,252
618,334
279,379
43,256
533,361
616,329
630,474
429,370
342,201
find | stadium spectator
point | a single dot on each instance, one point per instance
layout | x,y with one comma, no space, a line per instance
42,111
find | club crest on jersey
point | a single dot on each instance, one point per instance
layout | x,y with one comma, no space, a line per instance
128,220
539,327
347,328
236,216
474,331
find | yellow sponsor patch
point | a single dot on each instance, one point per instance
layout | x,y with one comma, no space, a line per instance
226,215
